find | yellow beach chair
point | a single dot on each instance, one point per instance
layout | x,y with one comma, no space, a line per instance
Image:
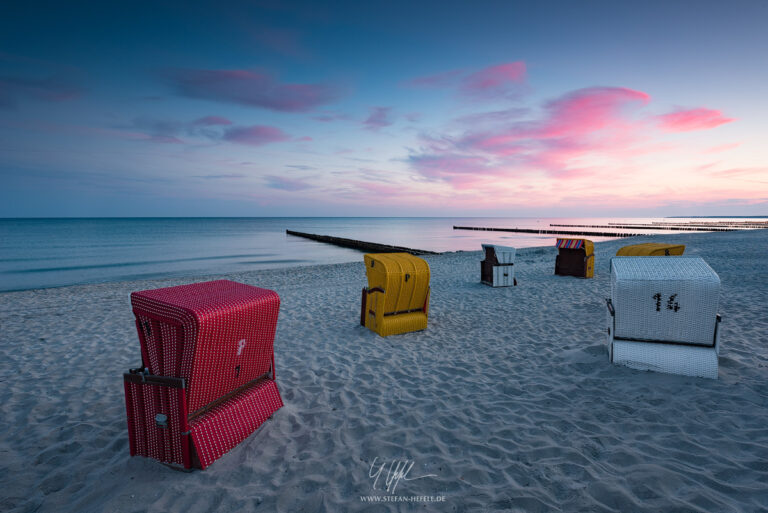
651,249
575,258
397,297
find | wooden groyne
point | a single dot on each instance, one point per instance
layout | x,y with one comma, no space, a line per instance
647,227
373,247
550,232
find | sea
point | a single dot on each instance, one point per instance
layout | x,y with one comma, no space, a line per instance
42,253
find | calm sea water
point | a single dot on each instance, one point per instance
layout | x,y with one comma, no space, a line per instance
40,253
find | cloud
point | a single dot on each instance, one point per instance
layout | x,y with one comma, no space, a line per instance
692,119
413,117
230,176
379,118
505,80
164,139
495,81
580,124
55,88
722,147
328,116
251,88
286,184
256,135
497,116
211,121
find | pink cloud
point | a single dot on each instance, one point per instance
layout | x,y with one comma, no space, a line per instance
212,121
379,118
499,81
722,147
582,123
250,88
306,138
256,135
494,81
589,110
692,119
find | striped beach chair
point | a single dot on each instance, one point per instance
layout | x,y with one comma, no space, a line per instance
207,379
576,257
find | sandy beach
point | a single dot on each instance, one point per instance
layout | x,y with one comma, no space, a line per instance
507,402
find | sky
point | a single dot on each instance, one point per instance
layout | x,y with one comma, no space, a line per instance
420,108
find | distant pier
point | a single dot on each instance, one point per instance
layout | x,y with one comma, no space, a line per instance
373,247
550,232
670,227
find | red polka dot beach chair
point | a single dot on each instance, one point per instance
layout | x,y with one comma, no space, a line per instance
207,379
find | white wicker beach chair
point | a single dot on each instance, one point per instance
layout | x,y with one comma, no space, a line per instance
497,270
662,315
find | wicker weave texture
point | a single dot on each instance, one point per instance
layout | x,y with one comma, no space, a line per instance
143,403
667,358
665,299
213,433
227,424
397,298
216,335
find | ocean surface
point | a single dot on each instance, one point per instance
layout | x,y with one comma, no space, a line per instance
41,253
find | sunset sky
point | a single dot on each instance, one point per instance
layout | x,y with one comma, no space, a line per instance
384,108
